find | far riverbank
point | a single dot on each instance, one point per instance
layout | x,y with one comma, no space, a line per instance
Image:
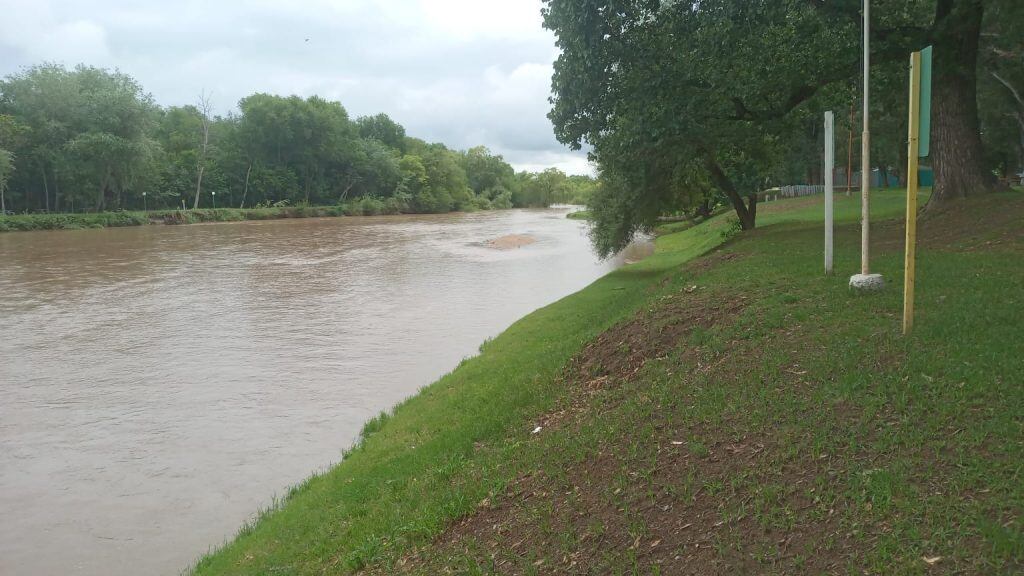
121,219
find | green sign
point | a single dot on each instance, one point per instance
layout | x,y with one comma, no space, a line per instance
925,131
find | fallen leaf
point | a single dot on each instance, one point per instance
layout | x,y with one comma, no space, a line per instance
931,561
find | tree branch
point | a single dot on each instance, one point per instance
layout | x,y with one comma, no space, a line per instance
800,94
1004,82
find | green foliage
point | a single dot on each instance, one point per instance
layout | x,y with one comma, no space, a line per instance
87,126
685,104
486,172
6,169
1001,87
731,229
383,129
25,222
468,437
89,139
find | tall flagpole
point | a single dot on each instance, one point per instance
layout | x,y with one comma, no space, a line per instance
865,155
866,280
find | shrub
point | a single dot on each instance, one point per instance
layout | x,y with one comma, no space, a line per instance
370,206
502,201
395,205
482,203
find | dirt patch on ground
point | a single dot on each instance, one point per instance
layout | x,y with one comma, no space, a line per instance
510,242
989,222
701,265
703,496
621,352
671,491
680,512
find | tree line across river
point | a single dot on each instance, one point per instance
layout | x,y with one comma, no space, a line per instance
91,140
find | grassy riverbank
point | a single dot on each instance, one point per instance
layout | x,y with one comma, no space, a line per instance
78,221
736,412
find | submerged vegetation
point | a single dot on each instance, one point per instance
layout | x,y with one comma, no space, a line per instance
740,411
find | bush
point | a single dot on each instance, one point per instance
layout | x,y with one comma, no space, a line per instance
25,222
732,228
395,206
502,201
370,206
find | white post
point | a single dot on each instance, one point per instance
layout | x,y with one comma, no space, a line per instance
866,280
865,155
830,161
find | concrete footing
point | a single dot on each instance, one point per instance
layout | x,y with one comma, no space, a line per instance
867,282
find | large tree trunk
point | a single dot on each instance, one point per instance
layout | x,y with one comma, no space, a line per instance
957,155
199,186
56,192
747,215
245,190
46,191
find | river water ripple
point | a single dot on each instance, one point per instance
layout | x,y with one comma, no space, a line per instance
159,384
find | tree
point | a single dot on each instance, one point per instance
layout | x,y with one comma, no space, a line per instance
652,84
312,139
6,169
1001,87
382,129
486,171
632,82
86,126
205,109
10,132
413,186
93,137
376,170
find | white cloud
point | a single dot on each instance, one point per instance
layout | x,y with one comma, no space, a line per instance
35,29
463,72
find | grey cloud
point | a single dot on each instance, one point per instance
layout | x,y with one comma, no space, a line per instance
457,71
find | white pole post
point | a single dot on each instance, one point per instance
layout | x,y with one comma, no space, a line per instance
866,280
865,161
830,161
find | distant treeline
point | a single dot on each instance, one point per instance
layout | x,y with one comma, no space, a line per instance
89,139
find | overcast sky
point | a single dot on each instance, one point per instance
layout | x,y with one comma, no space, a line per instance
462,72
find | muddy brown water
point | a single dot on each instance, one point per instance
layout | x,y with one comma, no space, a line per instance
160,384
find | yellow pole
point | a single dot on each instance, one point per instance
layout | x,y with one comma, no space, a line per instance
912,151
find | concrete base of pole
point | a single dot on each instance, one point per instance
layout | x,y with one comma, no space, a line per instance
867,282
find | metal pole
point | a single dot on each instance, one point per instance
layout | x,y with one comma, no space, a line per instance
849,156
913,149
865,176
830,161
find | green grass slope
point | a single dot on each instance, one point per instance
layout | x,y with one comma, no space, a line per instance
739,411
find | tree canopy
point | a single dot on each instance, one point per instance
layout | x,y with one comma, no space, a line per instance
91,139
686,101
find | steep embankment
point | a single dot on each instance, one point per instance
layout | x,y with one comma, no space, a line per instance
737,413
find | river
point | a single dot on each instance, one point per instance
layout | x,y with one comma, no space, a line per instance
159,384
